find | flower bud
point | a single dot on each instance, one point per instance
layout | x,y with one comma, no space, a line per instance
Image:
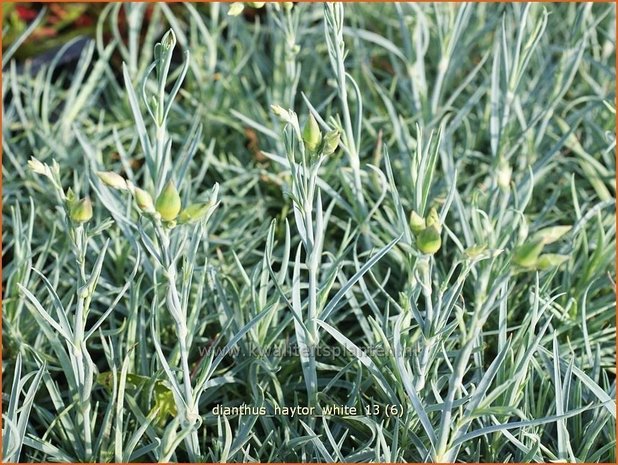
194,213
143,200
433,219
522,233
169,40
331,142
113,180
551,234
236,8
281,113
417,222
550,260
37,167
81,211
428,240
526,254
503,174
312,136
168,202
71,198
475,251
257,4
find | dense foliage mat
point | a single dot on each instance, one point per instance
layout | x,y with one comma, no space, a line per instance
248,232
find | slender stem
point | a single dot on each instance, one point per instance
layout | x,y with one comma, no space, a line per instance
447,413
425,269
312,263
353,153
178,313
79,351
159,155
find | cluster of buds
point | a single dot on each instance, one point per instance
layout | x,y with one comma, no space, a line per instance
315,143
167,207
237,8
79,210
529,256
427,231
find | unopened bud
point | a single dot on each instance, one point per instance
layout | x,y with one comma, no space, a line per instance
417,222
143,200
81,211
428,240
70,195
475,251
433,219
550,260
280,112
194,213
168,202
551,234
526,254
331,142
312,136
169,40
113,180
236,8
503,174
37,167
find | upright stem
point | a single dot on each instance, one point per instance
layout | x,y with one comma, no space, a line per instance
459,368
179,315
84,375
338,45
312,263
424,267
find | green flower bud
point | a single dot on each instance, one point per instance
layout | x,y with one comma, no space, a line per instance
194,213
168,202
281,113
312,136
257,4
417,222
331,142
551,234
236,8
71,199
526,254
475,251
433,219
503,174
169,40
113,180
287,5
550,260
81,211
428,240
144,200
